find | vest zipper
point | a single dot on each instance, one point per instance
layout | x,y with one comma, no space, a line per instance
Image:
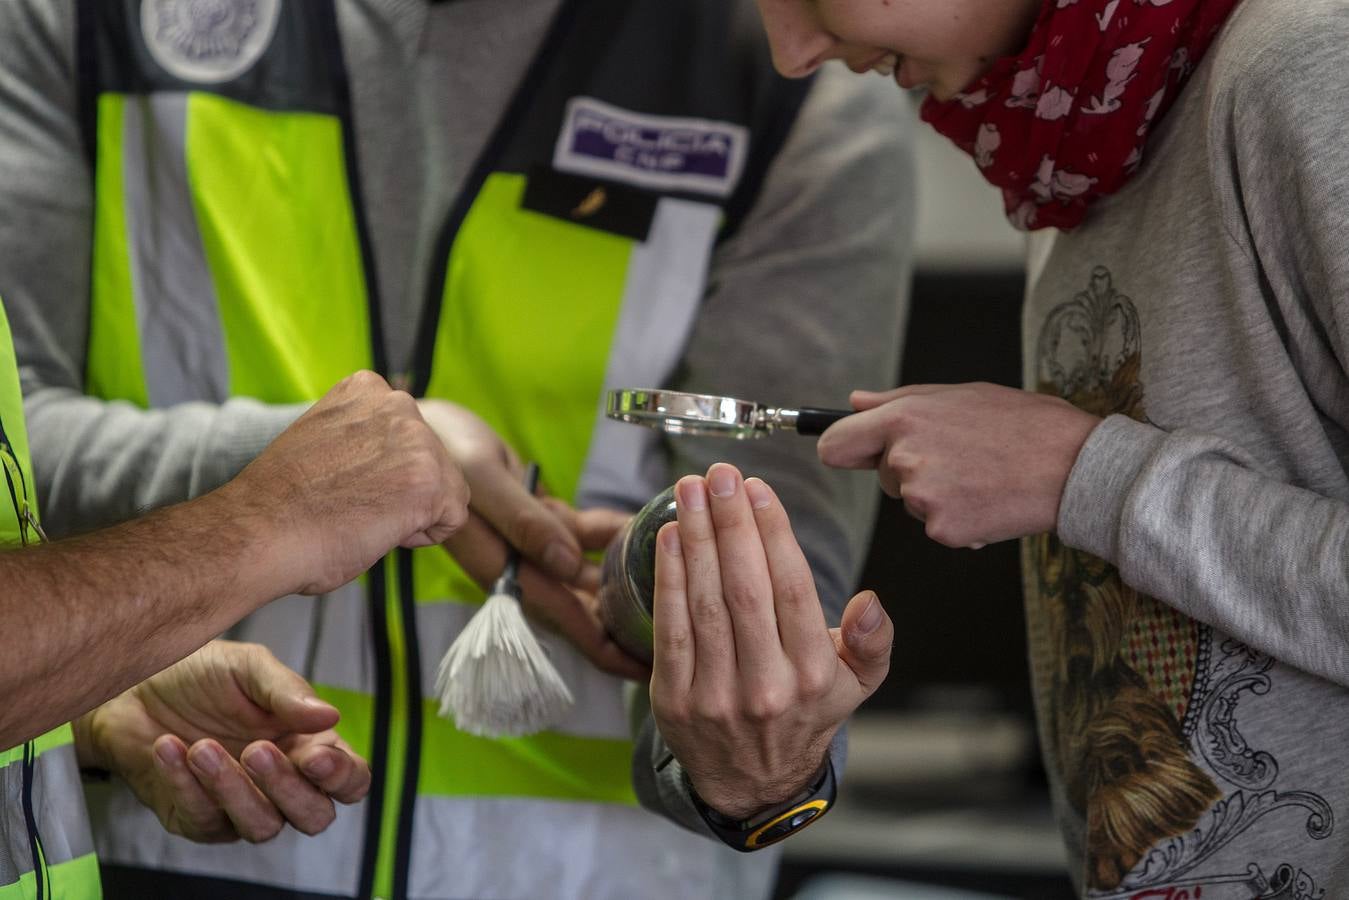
389,867
379,741
393,619
412,685
18,494
390,671
42,879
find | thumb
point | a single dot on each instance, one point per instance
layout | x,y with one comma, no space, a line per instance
866,637
281,692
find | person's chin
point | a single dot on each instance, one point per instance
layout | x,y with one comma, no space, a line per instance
919,78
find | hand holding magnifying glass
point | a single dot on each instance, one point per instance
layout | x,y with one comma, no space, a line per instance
677,412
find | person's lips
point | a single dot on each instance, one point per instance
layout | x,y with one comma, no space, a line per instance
884,63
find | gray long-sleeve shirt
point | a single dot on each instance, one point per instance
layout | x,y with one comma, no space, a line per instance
805,302
1195,740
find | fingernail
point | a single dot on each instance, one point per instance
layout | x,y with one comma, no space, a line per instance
169,753
870,618
319,768
259,761
669,539
207,758
722,481
316,703
559,559
693,494
760,496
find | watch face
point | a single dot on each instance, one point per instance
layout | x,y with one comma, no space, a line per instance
785,824
773,826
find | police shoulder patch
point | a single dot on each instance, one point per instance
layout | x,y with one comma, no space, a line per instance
659,152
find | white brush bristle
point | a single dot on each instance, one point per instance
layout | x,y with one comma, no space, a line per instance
496,679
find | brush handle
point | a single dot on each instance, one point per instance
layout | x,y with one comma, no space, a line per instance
508,582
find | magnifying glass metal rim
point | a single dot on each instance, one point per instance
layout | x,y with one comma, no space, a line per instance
680,412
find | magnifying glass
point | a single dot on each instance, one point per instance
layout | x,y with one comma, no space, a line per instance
676,412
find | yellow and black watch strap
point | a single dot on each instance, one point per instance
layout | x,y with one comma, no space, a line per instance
775,824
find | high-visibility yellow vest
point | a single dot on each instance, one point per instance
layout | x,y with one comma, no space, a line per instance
231,258
46,851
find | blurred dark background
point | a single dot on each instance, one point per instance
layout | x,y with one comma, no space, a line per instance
961,608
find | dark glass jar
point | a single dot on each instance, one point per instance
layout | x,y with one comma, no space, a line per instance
628,577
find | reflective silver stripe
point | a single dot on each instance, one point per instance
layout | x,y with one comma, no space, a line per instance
58,806
342,657
343,654
575,850
571,850
182,343
130,834
665,283
15,858
326,639
599,711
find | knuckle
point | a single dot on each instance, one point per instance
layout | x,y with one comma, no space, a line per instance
714,629
406,430
714,709
798,589
531,528
263,832
940,531
898,459
675,639
743,598
813,681
767,704
365,380
672,705
898,414
403,414
318,822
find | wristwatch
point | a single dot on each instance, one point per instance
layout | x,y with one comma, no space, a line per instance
776,824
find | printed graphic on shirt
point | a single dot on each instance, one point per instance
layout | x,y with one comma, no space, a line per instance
659,152
1142,709
208,41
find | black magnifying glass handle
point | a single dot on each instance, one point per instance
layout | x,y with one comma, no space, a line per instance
813,421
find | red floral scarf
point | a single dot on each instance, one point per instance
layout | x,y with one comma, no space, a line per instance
1066,122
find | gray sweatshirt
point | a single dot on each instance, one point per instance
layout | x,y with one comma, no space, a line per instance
1189,629
820,263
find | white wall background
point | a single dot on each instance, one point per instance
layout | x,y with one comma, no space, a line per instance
960,219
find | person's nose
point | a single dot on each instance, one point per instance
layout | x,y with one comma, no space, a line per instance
799,44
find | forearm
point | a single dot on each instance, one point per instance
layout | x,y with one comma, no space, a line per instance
89,617
1188,520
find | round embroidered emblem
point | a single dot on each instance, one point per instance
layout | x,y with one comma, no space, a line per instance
208,41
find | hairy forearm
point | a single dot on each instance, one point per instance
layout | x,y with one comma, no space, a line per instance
88,617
